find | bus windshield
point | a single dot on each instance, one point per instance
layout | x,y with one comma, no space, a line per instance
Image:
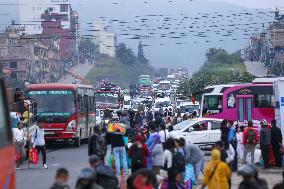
212,104
106,97
54,102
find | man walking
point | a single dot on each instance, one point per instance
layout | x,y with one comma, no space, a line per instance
265,141
276,141
250,141
39,142
20,142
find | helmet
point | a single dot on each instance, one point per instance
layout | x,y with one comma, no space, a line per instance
87,173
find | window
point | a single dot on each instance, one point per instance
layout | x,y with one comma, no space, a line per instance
263,100
13,64
201,126
64,8
212,104
4,134
215,125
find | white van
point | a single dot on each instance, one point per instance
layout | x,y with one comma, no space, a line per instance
162,104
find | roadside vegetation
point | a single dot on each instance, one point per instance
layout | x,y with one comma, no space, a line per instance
124,69
219,68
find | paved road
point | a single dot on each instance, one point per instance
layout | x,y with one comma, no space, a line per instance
76,158
37,178
80,70
256,68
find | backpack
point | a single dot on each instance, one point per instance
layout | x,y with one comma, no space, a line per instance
251,137
106,177
178,162
137,157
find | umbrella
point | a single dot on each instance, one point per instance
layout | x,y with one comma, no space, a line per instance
112,127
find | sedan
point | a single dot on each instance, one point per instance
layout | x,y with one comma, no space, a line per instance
203,132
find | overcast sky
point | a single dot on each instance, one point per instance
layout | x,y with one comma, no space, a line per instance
257,3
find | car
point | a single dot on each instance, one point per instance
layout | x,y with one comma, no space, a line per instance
163,103
188,108
204,132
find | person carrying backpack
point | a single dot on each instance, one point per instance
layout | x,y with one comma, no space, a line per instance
97,144
138,153
250,141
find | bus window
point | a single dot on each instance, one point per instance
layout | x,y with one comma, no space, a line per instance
263,100
212,104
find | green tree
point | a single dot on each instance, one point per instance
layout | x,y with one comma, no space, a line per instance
125,54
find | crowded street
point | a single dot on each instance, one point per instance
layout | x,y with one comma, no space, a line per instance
142,94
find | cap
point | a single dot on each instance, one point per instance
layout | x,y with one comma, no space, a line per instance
87,173
247,170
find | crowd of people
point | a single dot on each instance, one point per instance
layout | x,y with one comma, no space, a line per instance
149,158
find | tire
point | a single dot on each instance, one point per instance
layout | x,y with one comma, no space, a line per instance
77,142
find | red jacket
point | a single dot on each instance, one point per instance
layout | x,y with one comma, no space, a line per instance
245,135
146,153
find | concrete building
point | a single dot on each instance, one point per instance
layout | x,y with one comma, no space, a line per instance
106,41
30,12
25,58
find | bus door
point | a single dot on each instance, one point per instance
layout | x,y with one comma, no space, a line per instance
244,106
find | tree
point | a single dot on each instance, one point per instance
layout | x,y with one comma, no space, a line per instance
125,54
140,54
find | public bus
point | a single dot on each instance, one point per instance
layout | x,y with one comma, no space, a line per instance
67,110
7,153
145,80
241,103
108,99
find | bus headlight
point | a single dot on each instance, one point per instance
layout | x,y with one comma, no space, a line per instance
71,125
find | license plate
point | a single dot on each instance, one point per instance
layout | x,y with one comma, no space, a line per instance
48,133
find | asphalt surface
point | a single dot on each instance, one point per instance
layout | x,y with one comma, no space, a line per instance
80,70
256,68
74,159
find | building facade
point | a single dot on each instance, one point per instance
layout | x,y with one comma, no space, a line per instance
104,40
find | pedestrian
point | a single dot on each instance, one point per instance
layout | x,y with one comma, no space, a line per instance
240,144
250,178
116,140
250,141
157,155
17,95
265,142
168,157
276,142
38,142
97,144
217,173
61,179
87,179
149,116
105,175
219,145
142,179
164,135
138,120
195,157
125,119
179,182
225,132
138,153
179,146
152,130
20,141
166,113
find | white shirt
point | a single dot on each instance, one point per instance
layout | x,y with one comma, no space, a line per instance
167,157
162,135
38,137
18,135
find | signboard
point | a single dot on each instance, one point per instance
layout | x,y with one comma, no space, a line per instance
51,92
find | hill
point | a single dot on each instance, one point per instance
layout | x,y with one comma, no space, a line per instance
119,72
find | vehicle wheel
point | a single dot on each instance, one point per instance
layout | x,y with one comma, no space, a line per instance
77,142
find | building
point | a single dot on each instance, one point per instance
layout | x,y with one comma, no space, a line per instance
104,40
25,58
30,12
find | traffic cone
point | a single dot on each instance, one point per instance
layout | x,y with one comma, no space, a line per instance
123,184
